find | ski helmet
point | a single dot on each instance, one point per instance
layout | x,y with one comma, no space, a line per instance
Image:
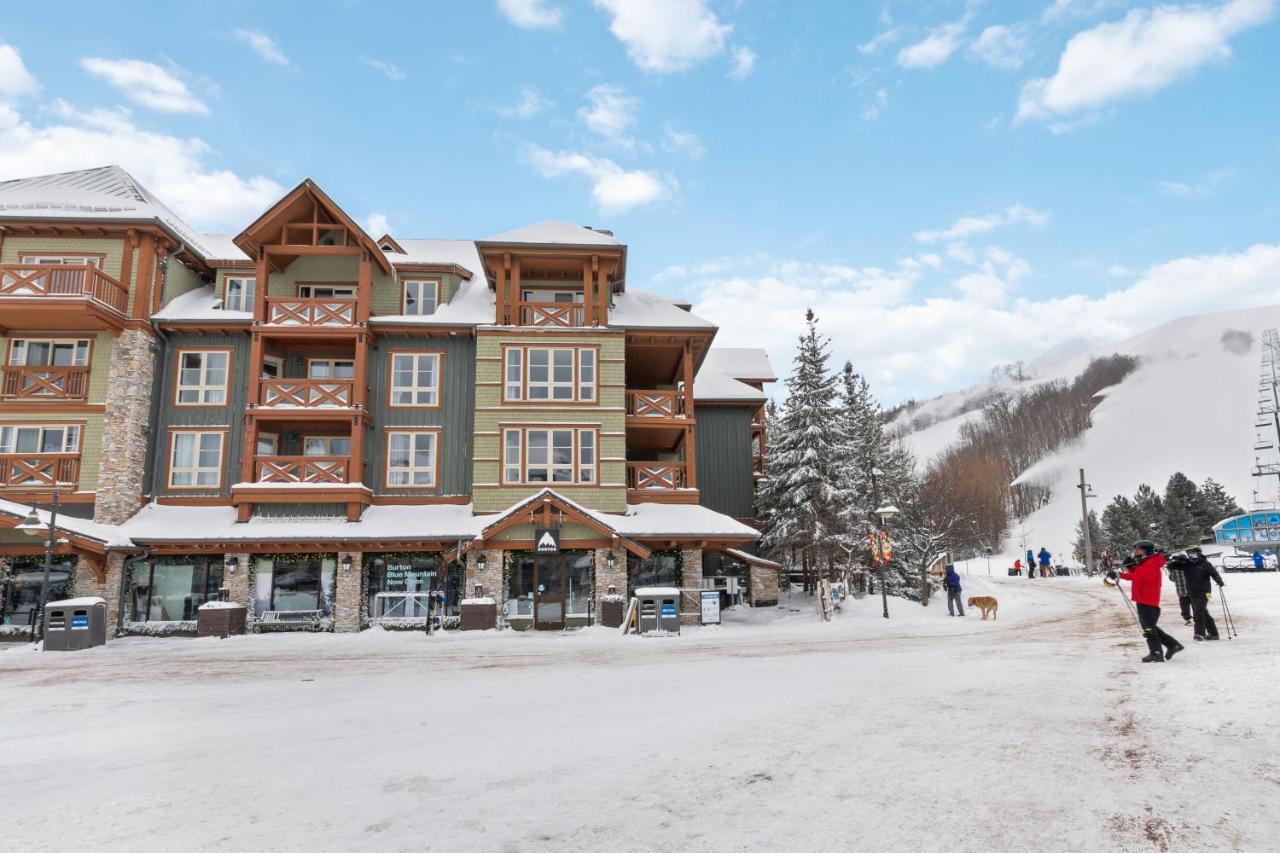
1146,545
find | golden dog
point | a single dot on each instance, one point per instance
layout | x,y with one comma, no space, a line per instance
986,604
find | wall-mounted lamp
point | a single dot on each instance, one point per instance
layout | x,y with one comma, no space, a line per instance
610,561
231,565
346,562
481,562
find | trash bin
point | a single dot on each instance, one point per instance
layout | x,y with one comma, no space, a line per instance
659,609
75,623
220,619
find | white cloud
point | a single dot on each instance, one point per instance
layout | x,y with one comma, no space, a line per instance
684,142
146,84
881,39
393,71
666,36
263,45
15,80
935,48
1137,56
1000,47
376,224
174,168
744,62
531,14
610,112
911,345
530,104
967,226
613,188
1202,187
876,105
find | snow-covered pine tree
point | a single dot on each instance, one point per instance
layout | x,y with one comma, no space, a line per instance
1177,526
1121,526
801,493
1095,536
1148,509
1216,504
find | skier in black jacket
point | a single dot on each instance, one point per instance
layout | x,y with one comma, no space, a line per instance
1200,575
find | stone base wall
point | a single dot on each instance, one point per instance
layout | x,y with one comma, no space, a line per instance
123,463
85,583
764,587
691,587
348,584
490,579
606,578
237,582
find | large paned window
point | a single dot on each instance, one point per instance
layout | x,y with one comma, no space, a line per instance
195,461
326,445
549,455
578,578
40,438
415,378
327,291
171,589
400,584
550,374
662,568
202,377
411,459
21,589
421,297
295,582
47,352
240,292
62,260
331,368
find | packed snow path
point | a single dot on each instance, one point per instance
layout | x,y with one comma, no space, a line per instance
1038,731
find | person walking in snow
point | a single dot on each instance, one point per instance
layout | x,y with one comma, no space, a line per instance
1258,561
1031,563
1046,562
1145,575
952,583
1199,573
1176,568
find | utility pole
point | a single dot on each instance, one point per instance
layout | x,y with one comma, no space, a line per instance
1085,494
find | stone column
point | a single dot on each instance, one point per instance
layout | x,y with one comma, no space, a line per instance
85,583
237,582
490,578
691,588
764,586
122,466
348,585
605,578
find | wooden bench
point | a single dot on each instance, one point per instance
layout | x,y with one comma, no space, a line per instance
288,620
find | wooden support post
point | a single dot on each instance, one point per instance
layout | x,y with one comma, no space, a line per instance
514,306
602,294
500,297
359,369
355,466
588,300
364,288
260,285
146,276
249,452
126,260
690,437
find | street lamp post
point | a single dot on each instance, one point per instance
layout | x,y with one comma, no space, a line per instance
31,526
886,514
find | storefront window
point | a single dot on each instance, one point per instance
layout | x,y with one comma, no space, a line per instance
661,569
399,584
578,589
716,564
521,586
295,582
171,589
21,587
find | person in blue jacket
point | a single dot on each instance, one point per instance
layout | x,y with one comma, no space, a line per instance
1046,562
952,584
1258,561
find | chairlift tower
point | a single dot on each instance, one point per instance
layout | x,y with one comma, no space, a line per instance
1266,440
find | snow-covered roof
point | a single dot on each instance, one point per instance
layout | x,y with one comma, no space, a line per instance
642,309
460,252
108,535
749,363
654,519
106,193
222,247
752,559
201,303
161,522
86,601
472,305
554,232
712,386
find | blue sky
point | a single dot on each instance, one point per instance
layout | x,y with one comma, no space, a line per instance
951,185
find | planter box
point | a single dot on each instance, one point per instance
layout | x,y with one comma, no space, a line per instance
611,612
220,621
478,617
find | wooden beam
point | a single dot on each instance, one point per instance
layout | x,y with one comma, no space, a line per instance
690,431
589,306
602,294
513,312
364,288
500,302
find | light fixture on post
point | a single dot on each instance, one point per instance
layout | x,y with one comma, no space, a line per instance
231,565
884,552
31,526
346,563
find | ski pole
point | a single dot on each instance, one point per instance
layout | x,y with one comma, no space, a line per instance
1226,611
1129,604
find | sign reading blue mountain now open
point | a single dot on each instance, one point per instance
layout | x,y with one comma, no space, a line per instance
546,541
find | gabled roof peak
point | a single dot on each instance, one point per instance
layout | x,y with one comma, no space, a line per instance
556,232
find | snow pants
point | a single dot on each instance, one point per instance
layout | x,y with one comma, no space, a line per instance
1148,616
1205,626
1184,605
954,595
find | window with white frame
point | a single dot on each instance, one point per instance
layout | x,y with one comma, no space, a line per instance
415,378
240,292
411,459
327,291
326,445
538,456
195,460
421,296
272,367
549,374
48,352
40,438
202,377
62,260
268,444
331,368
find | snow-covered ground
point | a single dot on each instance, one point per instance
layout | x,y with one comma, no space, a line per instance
1039,730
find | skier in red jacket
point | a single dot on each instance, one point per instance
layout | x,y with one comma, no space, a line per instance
1145,575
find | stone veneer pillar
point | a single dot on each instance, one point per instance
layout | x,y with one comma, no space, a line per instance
691,587
85,583
347,587
764,586
122,465
604,578
490,579
237,582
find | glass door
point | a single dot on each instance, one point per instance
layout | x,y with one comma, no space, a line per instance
548,602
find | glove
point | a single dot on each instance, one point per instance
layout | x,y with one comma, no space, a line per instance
1111,574
1221,584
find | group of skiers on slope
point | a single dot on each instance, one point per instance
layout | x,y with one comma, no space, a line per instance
1046,563
1191,573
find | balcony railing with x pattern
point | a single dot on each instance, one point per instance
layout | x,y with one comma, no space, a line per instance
44,383
40,469
302,469
655,404
563,314
19,281
308,393
655,475
308,311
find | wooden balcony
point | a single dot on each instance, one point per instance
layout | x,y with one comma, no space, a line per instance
307,394
565,315
655,406
44,383
301,479
311,313
41,296
301,469
659,482
39,469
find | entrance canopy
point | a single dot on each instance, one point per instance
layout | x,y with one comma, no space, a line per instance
545,508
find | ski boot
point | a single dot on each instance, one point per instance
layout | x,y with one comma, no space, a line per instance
1173,650
1153,658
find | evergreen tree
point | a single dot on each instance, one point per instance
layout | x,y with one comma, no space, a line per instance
1148,511
1177,527
1095,537
1216,505
1121,525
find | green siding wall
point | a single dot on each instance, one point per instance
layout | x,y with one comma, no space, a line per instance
385,298
178,279
725,482
90,439
337,268
16,247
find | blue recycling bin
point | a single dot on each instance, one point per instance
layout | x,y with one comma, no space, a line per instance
658,609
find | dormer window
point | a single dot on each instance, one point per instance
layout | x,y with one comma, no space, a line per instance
240,292
421,297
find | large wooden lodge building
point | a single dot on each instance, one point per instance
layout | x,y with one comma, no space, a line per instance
308,420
